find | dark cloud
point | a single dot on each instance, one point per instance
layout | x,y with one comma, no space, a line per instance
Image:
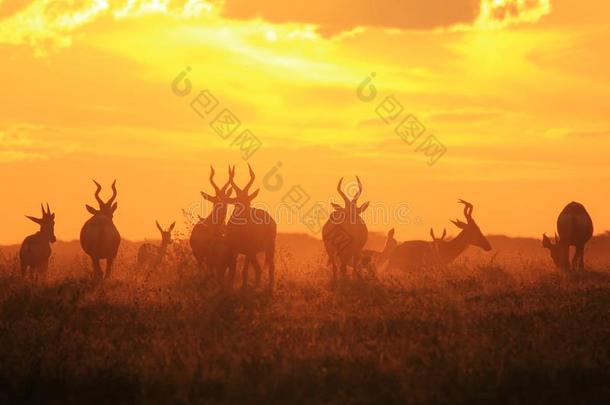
335,16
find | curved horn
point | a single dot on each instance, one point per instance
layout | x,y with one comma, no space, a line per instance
444,233
97,193
42,208
359,192
252,177
216,189
159,226
114,193
232,179
467,209
341,193
432,233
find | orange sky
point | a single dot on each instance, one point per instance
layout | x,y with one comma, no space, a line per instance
516,90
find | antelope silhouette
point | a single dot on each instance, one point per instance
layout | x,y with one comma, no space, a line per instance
415,253
575,228
344,234
35,250
151,255
372,259
99,238
250,231
207,239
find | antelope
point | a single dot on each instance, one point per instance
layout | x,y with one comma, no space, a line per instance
151,255
99,238
250,231
35,250
439,251
345,233
208,236
575,228
371,259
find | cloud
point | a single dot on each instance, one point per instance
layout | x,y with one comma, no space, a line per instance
335,17
50,24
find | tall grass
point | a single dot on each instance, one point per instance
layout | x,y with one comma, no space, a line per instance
473,332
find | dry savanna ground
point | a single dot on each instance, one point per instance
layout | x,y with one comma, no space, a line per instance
506,328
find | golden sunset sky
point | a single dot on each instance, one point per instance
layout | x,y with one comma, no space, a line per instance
516,90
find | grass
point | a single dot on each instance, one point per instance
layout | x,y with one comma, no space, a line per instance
468,333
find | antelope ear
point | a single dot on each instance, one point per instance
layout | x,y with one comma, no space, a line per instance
37,220
337,207
208,197
171,227
53,216
91,210
363,207
460,224
114,207
391,233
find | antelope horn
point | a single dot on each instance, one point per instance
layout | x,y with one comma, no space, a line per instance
252,177
159,226
97,193
359,192
467,209
432,233
114,193
232,179
42,208
216,189
341,193
444,233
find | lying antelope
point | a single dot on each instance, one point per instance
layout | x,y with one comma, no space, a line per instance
345,233
575,228
249,232
150,255
416,253
208,236
35,250
99,238
371,259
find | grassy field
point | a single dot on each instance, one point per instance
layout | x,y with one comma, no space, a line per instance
476,333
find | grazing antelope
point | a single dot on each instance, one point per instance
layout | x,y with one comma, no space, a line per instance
249,232
99,238
575,228
345,233
208,236
440,252
151,255
36,249
372,259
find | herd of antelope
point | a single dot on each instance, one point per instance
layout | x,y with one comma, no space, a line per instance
217,242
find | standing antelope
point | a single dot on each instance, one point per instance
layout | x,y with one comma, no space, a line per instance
99,237
151,255
575,228
345,233
208,236
249,232
440,252
372,259
36,249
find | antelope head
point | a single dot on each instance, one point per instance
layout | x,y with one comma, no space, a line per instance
47,223
390,245
243,197
166,236
470,229
106,208
560,252
350,208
